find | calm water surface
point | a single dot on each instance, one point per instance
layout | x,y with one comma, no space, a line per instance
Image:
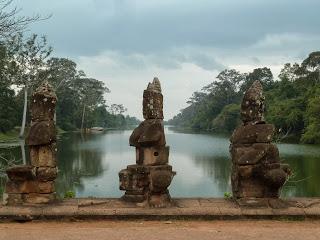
89,166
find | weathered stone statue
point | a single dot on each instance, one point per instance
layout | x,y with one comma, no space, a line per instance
256,168
34,183
147,181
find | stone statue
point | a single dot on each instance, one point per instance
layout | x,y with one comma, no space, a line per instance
34,183
147,181
256,168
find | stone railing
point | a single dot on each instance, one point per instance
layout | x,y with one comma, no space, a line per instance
34,183
256,169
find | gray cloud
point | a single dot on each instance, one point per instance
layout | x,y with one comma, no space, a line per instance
85,27
184,42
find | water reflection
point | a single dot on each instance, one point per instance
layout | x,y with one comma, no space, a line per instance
304,160
77,162
201,162
90,165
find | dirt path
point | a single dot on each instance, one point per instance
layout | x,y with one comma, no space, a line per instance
161,230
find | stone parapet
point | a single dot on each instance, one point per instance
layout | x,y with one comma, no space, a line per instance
256,168
181,208
34,183
147,181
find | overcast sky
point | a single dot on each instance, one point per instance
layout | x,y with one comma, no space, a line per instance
185,43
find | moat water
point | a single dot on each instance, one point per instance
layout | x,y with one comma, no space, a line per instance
89,165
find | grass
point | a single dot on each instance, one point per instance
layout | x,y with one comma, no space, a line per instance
69,194
227,195
10,136
13,135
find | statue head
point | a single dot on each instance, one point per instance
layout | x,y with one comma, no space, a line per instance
252,106
153,101
43,103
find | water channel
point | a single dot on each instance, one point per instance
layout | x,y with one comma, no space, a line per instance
89,165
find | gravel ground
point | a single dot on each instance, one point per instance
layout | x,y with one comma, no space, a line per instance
161,230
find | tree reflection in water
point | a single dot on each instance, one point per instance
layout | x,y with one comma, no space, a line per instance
304,161
218,169
77,162
90,166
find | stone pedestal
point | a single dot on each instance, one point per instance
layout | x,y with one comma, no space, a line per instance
147,181
256,168
34,183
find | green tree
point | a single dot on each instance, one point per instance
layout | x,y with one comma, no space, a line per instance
26,61
91,94
8,105
116,109
264,75
228,119
8,114
312,131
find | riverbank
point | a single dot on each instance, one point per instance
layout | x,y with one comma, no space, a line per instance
278,138
10,136
182,209
13,135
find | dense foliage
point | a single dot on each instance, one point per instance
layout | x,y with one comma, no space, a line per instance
293,101
25,63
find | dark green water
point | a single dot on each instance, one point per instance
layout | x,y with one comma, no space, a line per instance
90,166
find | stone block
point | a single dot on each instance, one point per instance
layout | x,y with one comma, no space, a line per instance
158,155
29,187
41,133
246,171
46,173
160,200
134,197
148,133
265,153
21,173
13,199
275,178
46,187
43,156
21,187
124,177
253,202
250,188
272,155
133,179
39,198
43,102
152,105
160,178
259,133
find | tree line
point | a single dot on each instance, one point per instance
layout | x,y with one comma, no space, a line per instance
292,101
25,62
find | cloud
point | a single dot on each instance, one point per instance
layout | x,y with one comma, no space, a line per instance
127,76
184,42
289,41
86,27
170,59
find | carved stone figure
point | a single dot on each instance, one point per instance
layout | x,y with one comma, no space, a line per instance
147,181
34,183
256,168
